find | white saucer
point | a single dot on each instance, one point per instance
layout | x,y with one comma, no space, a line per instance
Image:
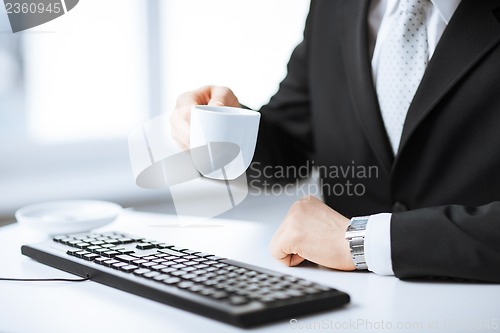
69,216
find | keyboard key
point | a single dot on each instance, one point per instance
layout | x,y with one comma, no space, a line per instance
280,295
294,293
210,283
81,253
207,291
158,267
141,271
82,245
151,274
215,258
118,265
125,258
139,261
178,249
168,270
169,263
196,288
305,283
266,299
181,260
110,262
73,252
161,277
172,280
191,252
220,295
144,246
90,257
185,284
168,257
126,251
129,268
199,271
200,279
65,240
171,252
188,269
203,254
238,300
191,263
148,264
59,238
110,253
159,260
100,250
125,240
311,290
179,266
290,278
101,260
164,246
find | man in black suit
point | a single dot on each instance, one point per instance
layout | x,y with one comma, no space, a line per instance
410,89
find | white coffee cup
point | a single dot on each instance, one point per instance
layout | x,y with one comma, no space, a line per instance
231,135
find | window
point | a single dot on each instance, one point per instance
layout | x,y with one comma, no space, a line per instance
72,89
244,45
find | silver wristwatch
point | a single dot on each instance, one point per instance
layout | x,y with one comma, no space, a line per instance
355,235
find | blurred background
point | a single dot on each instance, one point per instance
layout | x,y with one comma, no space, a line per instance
72,90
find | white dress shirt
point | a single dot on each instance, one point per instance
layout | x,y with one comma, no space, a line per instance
378,236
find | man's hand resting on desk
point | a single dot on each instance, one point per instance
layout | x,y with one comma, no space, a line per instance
315,232
208,95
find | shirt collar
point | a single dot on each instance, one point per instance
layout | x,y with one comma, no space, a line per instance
446,8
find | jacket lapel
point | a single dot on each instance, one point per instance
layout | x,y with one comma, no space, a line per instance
471,33
353,22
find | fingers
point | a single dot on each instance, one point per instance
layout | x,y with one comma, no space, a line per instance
179,126
284,245
180,118
289,259
223,96
199,96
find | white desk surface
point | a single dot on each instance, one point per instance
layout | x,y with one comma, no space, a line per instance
378,303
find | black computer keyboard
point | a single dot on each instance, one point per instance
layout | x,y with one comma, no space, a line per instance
230,291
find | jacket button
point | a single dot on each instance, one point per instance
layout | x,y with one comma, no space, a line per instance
399,207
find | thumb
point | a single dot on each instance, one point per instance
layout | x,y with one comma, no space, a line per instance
223,96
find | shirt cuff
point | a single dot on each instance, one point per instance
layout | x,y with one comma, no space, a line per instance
378,244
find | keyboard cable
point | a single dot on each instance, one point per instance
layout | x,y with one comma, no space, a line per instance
46,280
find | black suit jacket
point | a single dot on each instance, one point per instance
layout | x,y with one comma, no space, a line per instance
443,185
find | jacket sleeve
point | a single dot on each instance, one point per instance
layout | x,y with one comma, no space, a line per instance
285,136
447,241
